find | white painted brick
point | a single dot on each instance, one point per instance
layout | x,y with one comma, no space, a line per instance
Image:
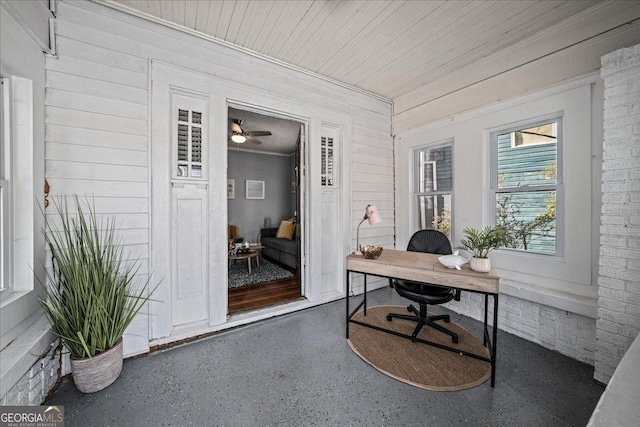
633,310
608,282
620,186
629,331
616,174
625,132
620,111
620,89
612,143
608,326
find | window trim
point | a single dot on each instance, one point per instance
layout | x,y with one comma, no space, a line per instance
449,142
19,130
558,187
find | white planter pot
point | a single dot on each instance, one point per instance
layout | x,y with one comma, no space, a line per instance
482,265
100,371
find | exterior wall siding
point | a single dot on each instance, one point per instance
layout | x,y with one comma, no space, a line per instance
97,121
618,322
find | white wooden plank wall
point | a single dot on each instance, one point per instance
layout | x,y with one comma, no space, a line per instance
97,119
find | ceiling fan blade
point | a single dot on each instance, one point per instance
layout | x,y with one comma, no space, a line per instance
252,139
234,126
258,133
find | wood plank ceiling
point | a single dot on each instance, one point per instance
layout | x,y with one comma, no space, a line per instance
389,48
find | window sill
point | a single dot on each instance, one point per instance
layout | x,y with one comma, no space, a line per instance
7,297
577,304
23,352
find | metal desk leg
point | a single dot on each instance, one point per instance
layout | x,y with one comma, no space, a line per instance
365,294
495,340
486,307
347,304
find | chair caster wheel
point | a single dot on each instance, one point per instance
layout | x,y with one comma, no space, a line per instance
409,309
447,320
455,340
413,339
389,318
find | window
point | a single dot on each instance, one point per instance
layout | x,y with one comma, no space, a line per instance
16,187
326,161
5,155
434,187
526,185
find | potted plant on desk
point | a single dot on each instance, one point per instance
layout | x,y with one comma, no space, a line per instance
480,243
91,297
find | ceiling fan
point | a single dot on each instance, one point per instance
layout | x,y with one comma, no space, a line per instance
239,136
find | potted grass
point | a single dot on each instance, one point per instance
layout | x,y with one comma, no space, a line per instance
479,243
91,298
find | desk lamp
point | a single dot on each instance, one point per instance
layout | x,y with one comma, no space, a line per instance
371,214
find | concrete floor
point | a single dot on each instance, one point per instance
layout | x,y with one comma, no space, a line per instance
298,370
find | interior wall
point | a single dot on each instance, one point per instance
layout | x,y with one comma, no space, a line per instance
249,214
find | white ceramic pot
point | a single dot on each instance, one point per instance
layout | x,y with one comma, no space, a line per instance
482,265
98,372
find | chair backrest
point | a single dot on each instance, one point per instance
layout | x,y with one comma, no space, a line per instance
430,241
233,231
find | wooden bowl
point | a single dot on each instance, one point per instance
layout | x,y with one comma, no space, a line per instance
371,251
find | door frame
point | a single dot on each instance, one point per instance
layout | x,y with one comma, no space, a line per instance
302,188
222,93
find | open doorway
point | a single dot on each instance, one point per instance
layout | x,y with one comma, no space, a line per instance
265,227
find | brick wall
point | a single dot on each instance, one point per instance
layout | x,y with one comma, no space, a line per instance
568,333
618,320
34,386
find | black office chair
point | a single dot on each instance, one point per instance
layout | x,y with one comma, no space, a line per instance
434,242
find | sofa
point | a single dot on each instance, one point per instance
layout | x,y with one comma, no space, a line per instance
284,251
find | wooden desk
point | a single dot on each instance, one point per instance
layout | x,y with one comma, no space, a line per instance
421,267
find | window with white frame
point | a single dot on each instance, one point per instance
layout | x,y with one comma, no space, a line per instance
5,155
434,187
526,185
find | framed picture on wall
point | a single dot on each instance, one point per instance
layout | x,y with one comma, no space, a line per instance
254,189
231,189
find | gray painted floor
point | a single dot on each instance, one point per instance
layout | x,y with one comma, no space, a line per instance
298,370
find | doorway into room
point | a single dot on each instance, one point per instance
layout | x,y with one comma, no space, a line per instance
264,201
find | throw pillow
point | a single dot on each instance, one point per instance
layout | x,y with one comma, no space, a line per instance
286,229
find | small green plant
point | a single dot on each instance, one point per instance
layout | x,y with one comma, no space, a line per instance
481,242
239,239
91,298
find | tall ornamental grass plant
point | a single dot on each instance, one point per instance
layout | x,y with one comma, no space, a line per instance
91,298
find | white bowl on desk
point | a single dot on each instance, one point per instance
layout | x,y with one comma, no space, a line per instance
453,261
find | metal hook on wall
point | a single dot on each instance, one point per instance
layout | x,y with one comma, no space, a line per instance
47,187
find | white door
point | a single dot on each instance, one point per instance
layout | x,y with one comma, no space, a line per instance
185,195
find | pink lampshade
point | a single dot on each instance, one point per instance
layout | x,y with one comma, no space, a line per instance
372,214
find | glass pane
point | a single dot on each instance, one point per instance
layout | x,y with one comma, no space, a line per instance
196,117
528,156
183,115
434,213
529,219
436,173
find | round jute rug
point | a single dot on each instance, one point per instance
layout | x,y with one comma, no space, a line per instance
418,364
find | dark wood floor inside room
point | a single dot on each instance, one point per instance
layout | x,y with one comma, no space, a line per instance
264,294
